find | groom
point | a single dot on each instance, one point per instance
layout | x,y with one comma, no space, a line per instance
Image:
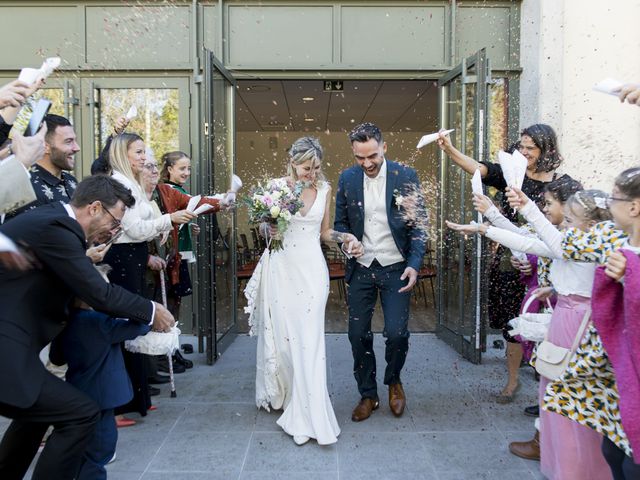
368,206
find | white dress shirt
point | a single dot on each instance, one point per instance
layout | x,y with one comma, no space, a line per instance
377,241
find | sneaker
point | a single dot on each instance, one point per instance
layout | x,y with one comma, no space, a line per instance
532,411
113,459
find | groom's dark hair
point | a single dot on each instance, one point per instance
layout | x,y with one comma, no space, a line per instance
365,132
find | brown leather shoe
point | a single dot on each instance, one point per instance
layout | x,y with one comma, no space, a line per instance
397,400
364,408
528,450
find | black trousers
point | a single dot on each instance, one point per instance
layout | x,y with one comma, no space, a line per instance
622,467
73,416
129,263
364,287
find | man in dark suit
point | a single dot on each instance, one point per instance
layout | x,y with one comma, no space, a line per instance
34,310
368,205
90,346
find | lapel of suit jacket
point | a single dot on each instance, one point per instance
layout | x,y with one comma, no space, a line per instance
392,181
359,189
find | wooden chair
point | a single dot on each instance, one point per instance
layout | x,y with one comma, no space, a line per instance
427,272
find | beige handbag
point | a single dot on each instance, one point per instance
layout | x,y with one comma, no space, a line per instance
552,360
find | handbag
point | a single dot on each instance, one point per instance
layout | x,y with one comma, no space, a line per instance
531,326
551,360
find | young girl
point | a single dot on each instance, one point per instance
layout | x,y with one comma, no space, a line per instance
587,392
176,171
568,450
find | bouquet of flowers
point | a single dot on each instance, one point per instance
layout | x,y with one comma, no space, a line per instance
275,202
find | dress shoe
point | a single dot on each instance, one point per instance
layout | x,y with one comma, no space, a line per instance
124,422
528,450
158,379
163,365
364,408
153,391
178,358
300,439
503,398
187,348
397,399
532,411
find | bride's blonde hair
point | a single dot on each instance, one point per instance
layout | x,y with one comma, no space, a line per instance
303,150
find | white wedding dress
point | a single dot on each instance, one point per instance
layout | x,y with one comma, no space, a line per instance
287,297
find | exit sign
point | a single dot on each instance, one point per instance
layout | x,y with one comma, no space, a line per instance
333,85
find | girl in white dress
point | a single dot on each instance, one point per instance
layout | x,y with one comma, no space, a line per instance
287,298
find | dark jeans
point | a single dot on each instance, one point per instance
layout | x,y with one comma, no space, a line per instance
73,416
622,466
364,287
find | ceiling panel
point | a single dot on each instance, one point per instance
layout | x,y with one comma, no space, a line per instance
307,115
396,105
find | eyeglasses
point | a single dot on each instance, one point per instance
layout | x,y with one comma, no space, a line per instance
151,166
610,200
116,223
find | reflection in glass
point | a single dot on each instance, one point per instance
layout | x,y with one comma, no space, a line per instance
156,122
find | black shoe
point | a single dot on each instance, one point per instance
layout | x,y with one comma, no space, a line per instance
153,391
532,411
178,358
187,348
163,366
158,379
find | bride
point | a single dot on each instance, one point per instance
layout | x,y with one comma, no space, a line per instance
287,298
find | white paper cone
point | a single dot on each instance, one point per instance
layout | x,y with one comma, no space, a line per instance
432,137
49,65
132,113
203,208
608,86
506,163
476,183
193,203
29,75
519,168
236,183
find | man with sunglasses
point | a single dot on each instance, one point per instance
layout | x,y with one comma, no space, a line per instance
35,306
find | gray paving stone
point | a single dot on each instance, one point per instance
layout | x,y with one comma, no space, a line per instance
455,452
377,454
276,452
220,452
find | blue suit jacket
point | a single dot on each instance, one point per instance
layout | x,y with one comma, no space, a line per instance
90,344
349,216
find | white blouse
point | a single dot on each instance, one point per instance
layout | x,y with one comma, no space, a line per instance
140,223
567,277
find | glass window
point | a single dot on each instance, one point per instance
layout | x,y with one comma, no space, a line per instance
156,121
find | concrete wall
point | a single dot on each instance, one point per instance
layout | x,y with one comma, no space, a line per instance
566,47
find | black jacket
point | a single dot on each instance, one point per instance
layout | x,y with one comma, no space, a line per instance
34,305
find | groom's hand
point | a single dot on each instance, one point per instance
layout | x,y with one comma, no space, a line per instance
412,275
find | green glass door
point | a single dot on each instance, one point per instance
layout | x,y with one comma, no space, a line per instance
216,306
462,302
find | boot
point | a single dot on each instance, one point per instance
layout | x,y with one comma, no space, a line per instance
528,450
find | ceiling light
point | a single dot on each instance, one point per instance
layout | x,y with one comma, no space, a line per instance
308,99
258,88
309,119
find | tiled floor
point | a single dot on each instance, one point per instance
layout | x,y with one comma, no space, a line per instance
451,430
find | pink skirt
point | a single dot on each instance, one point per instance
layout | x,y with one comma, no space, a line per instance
568,450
